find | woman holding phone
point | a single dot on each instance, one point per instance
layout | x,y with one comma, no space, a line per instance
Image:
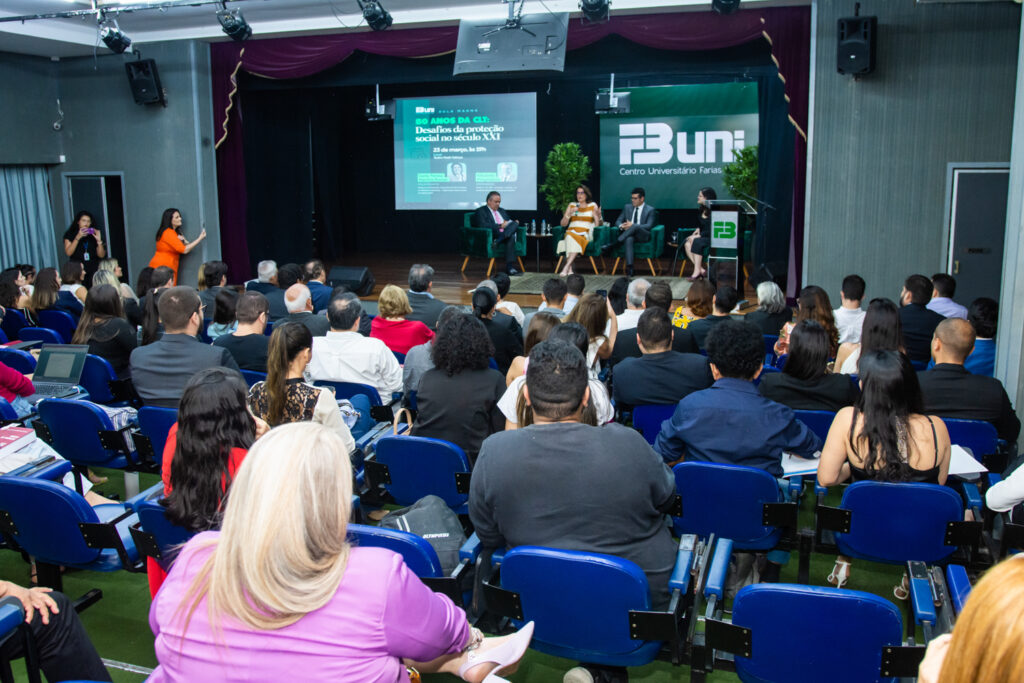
84,244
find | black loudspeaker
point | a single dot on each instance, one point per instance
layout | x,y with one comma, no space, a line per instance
145,81
358,279
856,45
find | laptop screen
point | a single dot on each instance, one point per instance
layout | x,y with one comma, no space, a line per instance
60,363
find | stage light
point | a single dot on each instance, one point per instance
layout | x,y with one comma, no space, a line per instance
233,24
376,16
113,37
725,6
595,10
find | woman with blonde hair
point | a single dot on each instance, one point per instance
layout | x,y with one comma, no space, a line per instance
985,646
279,590
112,266
390,325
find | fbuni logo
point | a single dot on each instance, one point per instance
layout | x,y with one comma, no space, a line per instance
654,143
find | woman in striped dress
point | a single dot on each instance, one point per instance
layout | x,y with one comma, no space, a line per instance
579,219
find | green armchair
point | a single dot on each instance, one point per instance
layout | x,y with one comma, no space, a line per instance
601,237
477,243
651,249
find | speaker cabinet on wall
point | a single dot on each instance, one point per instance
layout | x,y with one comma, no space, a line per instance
856,45
145,82
358,279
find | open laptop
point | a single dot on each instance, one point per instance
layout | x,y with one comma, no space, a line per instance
58,371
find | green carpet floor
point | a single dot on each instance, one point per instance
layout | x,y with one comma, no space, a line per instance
118,623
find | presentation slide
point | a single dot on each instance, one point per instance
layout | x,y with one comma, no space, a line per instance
451,151
676,140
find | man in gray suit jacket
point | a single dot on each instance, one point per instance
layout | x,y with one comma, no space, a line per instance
634,224
161,370
425,307
299,303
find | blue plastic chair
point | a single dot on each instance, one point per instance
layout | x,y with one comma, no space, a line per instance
818,421
978,436
769,349
251,377
411,467
417,553
400,357
155,536
154,424
648,419
12,323
75,428
350,389
3,337
6,410
13,628
97,374
62,322
269,329
43,334
16,359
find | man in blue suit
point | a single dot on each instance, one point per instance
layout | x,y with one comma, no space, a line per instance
634,224
502,227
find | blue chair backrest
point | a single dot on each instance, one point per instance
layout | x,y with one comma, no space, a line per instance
3,337
400,357
168,536
251,377
203,336
269,329
579,601
492,364
780,362
726,500
648,419
47,515
842,633
155,422
818,421
350,389
6,410
980,437
75,426
896,523
96,376
420,466
769,348
12,323
16,359
43,334
418,554
61,321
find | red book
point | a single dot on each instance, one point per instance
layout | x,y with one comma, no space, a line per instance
14,439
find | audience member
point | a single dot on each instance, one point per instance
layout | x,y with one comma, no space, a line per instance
813,304
552,296
365,319
215,276
287,275
660,375
805,382
659,295
724,301
424,306
29,271
15,388
601,324
160,279
884,437
47,296
950,390
392,326
104,329
700,299
142,285
617,294
772,312
918,322
280,574
130,304
635,293
266,278
298,299
575,284
505,319
984,316
595,474
201,278
17,292
224,305
508,343
285,397
882,331
849,316
316,280
344,355
161,370
72,275
731,423
418,361
503,283
458,400
248,343
943,290
540,326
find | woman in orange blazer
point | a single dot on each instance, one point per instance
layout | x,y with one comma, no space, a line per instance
171,244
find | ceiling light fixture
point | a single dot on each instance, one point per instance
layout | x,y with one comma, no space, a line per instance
233,24
113,37
595,10
376,16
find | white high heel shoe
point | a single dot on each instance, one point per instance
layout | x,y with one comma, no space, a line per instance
505,655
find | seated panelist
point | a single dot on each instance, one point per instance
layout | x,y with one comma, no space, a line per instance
502,227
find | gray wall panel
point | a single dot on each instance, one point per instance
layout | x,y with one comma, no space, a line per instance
28,108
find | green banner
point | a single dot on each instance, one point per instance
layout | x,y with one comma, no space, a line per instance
675,141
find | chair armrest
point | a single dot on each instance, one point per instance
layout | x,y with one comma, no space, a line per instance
973,497
921,593
680,579
959,585
715,584
470,550
152,493
994,478
48,467
12,614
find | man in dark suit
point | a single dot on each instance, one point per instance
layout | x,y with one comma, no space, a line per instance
918,321
161,370
266,273
425,307
658,295
300,310
287,275
949,390
660,375
725,300
316,280
635,224
502,227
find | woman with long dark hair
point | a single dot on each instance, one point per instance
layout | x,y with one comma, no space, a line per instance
47,294
812,304
171,243
104,328
541,324
884,437
805,382
595,315
84,244
507,344
224,322
881,331
458,400
284,396
697,242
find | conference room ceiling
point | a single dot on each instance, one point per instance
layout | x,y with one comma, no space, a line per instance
79,36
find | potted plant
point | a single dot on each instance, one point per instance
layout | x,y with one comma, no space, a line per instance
742,173
565,168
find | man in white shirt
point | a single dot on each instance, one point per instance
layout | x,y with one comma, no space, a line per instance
635,294
344,355
943,289
850,316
